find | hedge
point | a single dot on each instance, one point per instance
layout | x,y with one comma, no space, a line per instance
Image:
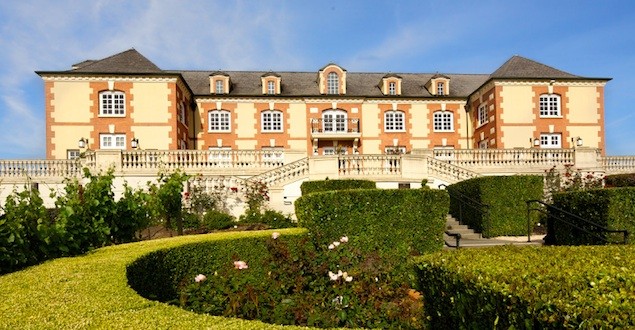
91,291
308,187
505,195
620,180
590,287
383,219
610,208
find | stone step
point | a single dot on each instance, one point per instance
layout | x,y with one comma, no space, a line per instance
464,235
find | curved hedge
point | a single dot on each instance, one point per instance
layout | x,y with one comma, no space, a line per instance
91,291
308,187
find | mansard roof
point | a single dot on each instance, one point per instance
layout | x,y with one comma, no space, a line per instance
520,67
247,83
129,61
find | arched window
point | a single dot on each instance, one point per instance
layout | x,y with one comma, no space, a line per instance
443,121
334,121
549,105
394,121
271,121
333,83
219,121
112,103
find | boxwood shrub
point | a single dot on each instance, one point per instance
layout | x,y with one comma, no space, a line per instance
585,287
610,208
620,180
308,187
382,219
505,195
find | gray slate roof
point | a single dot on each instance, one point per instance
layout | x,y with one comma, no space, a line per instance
520,67
299,84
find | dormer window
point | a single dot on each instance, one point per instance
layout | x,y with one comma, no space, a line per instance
390,85
333,83
270,83
219,83
332,80
438,85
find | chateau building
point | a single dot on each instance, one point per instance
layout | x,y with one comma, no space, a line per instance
125,101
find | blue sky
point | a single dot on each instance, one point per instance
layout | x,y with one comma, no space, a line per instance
587,38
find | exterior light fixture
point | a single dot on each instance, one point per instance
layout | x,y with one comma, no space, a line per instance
82,143
579,141
536,142
134,143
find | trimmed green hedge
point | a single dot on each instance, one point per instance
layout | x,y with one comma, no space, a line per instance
610,208
505,195
620,180
588,287
91,291
382,219
308,187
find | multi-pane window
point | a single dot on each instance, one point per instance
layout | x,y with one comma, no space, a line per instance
219,121
112,103
220,88
112,141
482,144
220,156
271,121
181,107
333,83
398,150
482,114
334,121
443,121
552,140
549,105
440,87
273,156
394,121
392,88
271,87
72,153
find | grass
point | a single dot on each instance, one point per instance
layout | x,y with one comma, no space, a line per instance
91,291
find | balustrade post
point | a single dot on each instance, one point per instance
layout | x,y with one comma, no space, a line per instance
105,159
586,159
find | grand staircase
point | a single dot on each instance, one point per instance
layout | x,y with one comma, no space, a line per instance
471,239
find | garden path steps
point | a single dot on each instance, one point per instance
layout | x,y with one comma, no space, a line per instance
472,239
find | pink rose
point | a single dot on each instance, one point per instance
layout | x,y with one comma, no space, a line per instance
200,278
240,265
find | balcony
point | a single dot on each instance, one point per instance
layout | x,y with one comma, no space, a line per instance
337,128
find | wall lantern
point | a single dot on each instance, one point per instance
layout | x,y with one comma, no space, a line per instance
134,143
536,142
82,143
578,141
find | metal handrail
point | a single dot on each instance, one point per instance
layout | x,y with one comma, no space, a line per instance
457,237
468,201
547,207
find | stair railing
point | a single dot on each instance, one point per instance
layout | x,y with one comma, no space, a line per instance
465,202
544,208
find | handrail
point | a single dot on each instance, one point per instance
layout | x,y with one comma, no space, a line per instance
464,199
549,237
456,236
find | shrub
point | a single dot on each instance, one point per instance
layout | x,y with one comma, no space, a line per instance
270,218
620,180
168,199
609,208
308,187
414,219
535,288
505,195
217,220
132,215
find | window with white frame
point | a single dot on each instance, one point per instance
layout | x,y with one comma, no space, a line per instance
181,107
331,151
219,121
112,141
444,153
271,87
273,156
394,121
443,121
333,83
550,105
220,156
72,153
482,115
112,104
271,121
440,88
398,150
392,88
551,140
220,88
334,121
